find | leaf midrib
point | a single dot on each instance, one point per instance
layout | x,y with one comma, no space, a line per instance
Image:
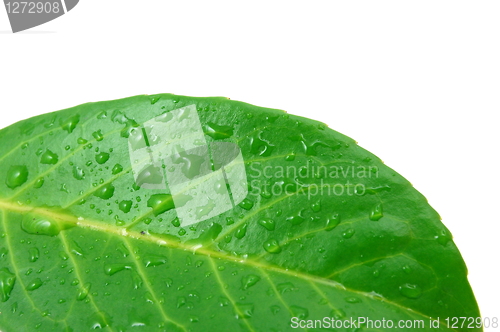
120,231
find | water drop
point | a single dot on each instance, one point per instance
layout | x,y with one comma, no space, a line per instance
286,287
223,301
70,124
241,231
266,194
105,192
64,188
16,176
410,291
301,313
176,222
181,301
154,100
316,207
261,146
7,281
161,203
39,183
3,252
444,237
32,224
309,148
102,115
218,132
98,320
275,309
84,292
295,220
117,169
376,213
352,299
125,206
111,269
35,284
290,157
204,210
98,135
272,246
332,222
154,260
249,281
102,158
49,158
81,141
78,173
268,224
244,310
407,269
34,254
348,233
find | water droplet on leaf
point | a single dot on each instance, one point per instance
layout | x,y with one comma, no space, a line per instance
117,169
16,176
125,206
105,192
78,173
161,203
32,224
376,213
34,254
301,313
348,233
154,260
332,222
102,158
98,135
49,158
249,281
244,310
410,291
352,299
39,183
84,292
241,231
35,284
268,224
272,246
111,269
218,132
7,281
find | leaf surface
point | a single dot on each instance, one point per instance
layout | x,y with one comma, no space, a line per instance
326,230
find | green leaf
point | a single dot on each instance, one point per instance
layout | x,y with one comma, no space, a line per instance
326,230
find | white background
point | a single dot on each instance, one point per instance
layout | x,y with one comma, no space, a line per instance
418,83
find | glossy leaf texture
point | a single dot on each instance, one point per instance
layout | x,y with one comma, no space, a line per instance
327,230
